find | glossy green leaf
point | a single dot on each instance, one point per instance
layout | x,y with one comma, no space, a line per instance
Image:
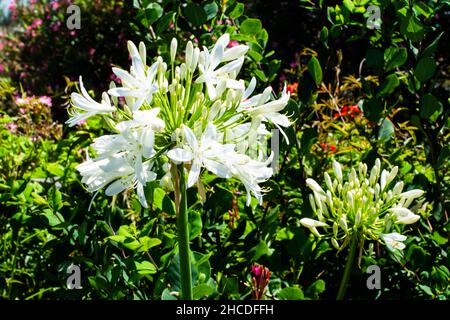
150,14
412,28
386,131
251,26
425,69
195,14
145,267
315,70
291,293
431,107
395,57
211,10
237,10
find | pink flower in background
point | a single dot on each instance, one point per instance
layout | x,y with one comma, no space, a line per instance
21,101
12,5
22,110
233,43
54,5
91,52
55,26
73,33
46,100
2,69
12,127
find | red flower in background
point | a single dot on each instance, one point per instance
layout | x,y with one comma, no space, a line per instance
351,111
292,88
327,147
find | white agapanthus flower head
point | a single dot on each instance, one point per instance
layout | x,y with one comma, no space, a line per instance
368,206
197,113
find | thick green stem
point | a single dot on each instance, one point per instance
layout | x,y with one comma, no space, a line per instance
183,239
348,268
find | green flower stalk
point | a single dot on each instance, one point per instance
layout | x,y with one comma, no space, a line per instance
365,207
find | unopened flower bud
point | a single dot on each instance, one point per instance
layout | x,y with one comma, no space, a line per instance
173,49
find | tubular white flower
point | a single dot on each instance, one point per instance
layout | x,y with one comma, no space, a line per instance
412,194
313,185
84,102
337,170
394,240
139,83
312,225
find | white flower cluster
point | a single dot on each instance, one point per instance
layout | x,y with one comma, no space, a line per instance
197,113
364,206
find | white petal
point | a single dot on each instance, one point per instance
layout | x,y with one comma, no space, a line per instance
194,173
118,186
180,155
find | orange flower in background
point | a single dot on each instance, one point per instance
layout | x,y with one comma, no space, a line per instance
327,147
292,88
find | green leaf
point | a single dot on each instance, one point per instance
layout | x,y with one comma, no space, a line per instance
428,51
443,157
324,35
316,288
395,57
237,10
255,55
55,198
374,58
53,218
412,28
348,4
251,26
195,224
166,295
315,70
389,84
211,10
150,14
291,293
147,243
416,256
260,250
425,69
386,131
38,199
145,267
426,290
422,9
195,14
431,107
202,290
164,22
55,169
260,75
